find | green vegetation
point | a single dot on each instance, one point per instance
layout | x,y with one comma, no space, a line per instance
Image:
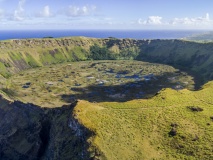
191,56
48,37
135,109
162,127
3,69
78,54
55,85
100,53
31,61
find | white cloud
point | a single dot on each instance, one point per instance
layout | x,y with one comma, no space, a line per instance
196,22
45,12
75,11
1,13
151,20
207,16
192,21
19,12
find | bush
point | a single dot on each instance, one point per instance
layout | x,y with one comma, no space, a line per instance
101,53
195,109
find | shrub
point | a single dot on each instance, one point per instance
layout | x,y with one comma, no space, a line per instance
195,109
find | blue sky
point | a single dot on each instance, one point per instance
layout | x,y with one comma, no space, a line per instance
106,14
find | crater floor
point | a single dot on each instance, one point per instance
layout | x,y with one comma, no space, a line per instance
95,81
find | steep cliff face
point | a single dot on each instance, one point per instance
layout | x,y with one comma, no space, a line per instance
30,132
17,55
193,56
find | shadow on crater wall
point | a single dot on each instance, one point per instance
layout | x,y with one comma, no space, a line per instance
28,132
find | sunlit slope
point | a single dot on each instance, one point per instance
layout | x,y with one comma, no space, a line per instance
17,55
171,125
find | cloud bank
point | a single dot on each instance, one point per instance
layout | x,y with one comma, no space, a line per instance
192,21
76,11
152,20
181,22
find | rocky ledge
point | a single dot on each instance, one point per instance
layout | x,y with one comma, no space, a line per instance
30,132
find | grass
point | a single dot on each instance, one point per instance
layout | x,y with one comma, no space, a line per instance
161,127
149,121
55,85
139,129
3,70
28,53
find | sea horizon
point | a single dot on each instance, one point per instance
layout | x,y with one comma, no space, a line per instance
134,34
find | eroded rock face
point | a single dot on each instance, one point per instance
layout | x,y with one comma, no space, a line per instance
30,132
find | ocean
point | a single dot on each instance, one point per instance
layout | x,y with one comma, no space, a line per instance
135,34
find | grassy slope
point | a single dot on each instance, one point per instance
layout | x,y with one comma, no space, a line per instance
139,129
136,129
193,56
16,55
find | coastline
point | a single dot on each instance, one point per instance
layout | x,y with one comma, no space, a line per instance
134,34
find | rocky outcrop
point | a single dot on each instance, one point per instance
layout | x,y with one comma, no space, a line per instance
28,132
